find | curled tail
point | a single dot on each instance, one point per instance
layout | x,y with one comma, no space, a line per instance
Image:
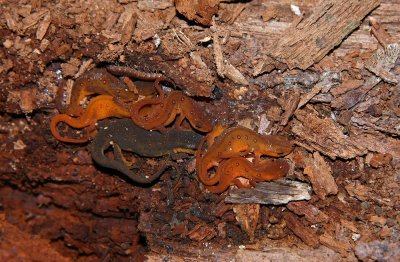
210,138
54,130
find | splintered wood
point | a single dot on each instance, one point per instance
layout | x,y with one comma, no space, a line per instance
320,175
275,193
324,135
383,60
247,216
308,41
306,234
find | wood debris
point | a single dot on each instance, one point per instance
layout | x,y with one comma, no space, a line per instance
43,26
388,125
379,160
358,191
340,246
327,80
247,216
324,135
346,86
307,41
379,143
310,212
290,107
149,23
355,96
299,229
378,30
128,20
33,19
200,11
383,60
146,5
202,232
275,193
378,251
320,175
224,68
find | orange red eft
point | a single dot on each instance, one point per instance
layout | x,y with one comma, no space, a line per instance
230,169
97,81
157,113
238,141
100,107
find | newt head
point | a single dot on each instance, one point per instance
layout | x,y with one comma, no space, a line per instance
199,119
278,145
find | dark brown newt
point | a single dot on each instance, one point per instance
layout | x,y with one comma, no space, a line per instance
97,81
238,141
229,170
99,108
123,134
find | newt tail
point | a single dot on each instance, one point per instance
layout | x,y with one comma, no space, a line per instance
99,108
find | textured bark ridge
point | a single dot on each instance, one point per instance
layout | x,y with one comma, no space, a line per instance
308,41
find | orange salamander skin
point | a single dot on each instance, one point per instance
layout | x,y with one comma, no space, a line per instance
162,111
100,107
97,81
230,169
238,141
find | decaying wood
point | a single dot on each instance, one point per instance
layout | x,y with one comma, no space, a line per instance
273,193
18,245
307,42
379,143
383,60
305,233
346,86
325,135
291,106
200,11
321,253
310,212
378,251
43,26
328,79
320,175
247,216
342,247
355,96
378,30
389,128
224,68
